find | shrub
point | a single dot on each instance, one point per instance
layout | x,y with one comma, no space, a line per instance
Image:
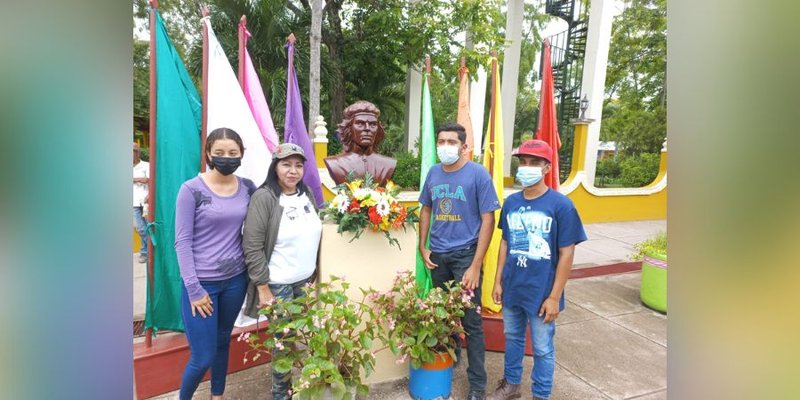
640,170
656,245
406,174
608,167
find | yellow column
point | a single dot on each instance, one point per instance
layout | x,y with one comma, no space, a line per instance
578,148
320,152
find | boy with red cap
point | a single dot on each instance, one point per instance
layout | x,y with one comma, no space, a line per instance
540,230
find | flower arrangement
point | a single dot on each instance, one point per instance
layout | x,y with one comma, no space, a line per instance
327,337
360,204
420,328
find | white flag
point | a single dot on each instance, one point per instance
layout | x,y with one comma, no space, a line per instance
227,108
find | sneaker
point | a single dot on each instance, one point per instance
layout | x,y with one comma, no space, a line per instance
142,258
505,391
476,395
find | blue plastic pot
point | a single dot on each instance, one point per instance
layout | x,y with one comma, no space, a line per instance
432,381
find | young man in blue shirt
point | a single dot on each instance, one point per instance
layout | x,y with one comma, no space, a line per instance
540,230
460,196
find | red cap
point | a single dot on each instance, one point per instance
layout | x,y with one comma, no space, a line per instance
536,148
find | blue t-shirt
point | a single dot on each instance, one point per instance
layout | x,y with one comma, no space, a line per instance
457,200
534,230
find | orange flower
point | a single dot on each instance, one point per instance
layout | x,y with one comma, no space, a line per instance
401,217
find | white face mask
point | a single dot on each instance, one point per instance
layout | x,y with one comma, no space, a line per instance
448,155
529,176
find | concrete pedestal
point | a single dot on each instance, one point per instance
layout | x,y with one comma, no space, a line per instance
369,261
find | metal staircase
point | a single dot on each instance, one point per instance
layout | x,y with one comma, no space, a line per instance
567,52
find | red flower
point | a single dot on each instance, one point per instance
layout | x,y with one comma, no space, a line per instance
354,207
373,215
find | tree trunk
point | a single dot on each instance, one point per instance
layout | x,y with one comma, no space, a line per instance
334,39
313,95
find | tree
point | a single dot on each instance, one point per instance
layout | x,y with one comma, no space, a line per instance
141,82
634,115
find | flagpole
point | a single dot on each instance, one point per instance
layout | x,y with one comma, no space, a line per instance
492,113
242,48
204,13
291,39
151,187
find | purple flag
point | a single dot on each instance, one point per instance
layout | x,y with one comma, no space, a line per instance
295,130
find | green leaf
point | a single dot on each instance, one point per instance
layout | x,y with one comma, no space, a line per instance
431,341
282,365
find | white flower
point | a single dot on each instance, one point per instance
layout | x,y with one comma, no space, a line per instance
382,208
340,203
361,193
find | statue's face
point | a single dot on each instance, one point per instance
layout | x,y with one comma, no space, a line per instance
365,127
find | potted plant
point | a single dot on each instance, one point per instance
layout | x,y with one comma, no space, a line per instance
653,254
422,331
330,340
362,204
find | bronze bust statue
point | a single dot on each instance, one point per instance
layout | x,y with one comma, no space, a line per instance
360,132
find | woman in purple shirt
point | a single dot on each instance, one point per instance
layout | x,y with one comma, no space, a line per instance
209,214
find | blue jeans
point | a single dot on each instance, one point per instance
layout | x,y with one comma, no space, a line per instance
452,266
281,383
209,338
515,320
141,228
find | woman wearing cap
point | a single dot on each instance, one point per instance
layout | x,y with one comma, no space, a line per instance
282,234
209,214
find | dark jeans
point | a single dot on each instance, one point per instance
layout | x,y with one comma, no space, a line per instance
452,266
281,383
209,338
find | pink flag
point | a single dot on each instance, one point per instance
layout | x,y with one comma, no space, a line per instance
251,86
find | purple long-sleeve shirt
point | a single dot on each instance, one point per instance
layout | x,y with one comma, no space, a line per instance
208,233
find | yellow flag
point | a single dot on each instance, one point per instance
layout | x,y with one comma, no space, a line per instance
493,161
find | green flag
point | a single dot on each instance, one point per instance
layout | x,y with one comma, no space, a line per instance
427,160
178,117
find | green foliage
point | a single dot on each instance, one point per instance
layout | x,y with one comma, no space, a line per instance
141,80
323,334
641,170
627,171
656,246
394,141
406,174
635,115
608,167
416,328
360,204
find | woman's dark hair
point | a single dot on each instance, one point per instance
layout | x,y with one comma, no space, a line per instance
218,134
272,179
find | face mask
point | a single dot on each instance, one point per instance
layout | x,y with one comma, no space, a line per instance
226,165
448,155
529,176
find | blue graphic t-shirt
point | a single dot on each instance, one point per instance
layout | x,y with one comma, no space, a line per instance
534,230
457,200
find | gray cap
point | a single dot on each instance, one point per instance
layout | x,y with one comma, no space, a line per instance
288,149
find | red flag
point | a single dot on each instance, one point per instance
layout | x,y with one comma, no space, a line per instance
547,128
